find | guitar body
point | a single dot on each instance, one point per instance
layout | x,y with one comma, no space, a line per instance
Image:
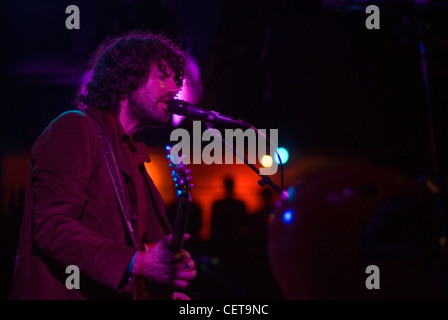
146,289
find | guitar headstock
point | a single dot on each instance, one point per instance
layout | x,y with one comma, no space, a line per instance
180,174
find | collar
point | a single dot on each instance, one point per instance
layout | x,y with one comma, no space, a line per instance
112,127
135,142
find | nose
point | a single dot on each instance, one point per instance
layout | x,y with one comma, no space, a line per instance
172,86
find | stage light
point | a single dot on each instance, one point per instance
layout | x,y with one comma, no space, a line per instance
176,119
287,216
284,155
192,89
266,161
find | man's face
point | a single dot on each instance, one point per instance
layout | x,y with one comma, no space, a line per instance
149,103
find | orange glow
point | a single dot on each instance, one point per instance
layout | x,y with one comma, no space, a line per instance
208,183
207,180
15,173
267,161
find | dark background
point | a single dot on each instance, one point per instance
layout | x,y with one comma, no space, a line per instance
313,71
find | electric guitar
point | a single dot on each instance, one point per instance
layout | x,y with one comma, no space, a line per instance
146,289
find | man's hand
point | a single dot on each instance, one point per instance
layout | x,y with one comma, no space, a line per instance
162,265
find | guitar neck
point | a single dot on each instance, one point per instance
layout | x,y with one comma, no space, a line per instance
151,290
180,224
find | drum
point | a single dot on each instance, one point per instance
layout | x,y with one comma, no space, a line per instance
357,231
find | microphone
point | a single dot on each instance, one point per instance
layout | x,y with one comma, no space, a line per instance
187,109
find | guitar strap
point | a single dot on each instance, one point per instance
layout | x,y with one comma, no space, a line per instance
114,173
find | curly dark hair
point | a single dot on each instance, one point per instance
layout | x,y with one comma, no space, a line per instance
121,65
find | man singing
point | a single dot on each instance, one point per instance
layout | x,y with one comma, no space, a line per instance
72,215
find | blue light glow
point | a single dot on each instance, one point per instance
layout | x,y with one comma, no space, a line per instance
284,155
287,216
291,193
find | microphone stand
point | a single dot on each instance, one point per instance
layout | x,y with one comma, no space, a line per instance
265,180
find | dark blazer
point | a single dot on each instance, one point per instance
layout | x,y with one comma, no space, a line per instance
72,216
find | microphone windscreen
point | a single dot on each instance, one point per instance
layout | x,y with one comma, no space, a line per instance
178,107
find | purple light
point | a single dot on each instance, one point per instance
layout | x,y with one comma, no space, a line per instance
192,89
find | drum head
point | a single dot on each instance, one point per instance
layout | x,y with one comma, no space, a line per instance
329,227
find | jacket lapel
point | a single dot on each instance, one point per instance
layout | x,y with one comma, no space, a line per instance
108,123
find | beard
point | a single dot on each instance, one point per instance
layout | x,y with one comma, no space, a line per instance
145,110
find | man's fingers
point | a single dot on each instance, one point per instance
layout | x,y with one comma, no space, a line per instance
186,237
181,284
186,275
189,264
182,257
183,278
